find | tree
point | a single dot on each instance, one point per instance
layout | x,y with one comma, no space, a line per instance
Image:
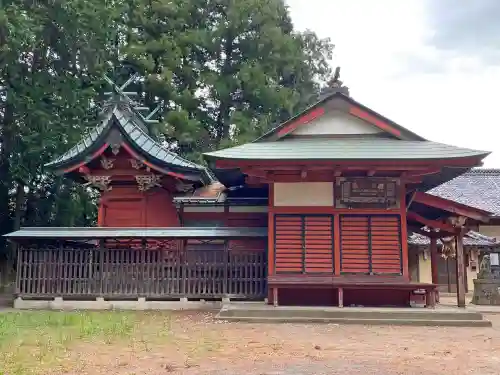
51,56
227,69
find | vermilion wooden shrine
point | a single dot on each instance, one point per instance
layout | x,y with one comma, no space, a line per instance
315,212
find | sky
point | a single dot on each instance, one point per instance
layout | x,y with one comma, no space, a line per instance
432,66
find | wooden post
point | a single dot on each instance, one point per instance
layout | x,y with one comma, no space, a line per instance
460,269
434,264
275,296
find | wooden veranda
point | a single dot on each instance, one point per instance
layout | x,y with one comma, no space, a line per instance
156,264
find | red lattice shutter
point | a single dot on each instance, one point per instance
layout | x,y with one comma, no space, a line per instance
318,244
288,243
386,244
354,244
304,244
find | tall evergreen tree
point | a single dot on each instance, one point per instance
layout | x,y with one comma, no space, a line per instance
227,69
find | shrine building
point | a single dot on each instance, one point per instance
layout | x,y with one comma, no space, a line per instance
324,209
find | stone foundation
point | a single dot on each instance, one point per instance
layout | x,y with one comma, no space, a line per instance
486,292
140,304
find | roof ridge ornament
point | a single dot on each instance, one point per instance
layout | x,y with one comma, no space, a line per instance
124,96
335,84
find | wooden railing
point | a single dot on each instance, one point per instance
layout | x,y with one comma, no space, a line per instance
151,273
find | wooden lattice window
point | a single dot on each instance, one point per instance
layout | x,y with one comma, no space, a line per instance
303,244
370,244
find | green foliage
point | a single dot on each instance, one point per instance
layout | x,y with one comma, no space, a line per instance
226,71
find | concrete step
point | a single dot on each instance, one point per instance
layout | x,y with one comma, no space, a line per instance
363,321
348,313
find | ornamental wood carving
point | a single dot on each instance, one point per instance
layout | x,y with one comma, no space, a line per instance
136,164
115,148
107,163
100,182
367,192
146,182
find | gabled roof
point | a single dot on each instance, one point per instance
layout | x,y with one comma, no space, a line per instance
357,109
479,188
120,115
392,143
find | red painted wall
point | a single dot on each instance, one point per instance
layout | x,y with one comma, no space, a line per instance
350,241
129,207
232,219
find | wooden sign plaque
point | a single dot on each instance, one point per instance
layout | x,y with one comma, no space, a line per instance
367,192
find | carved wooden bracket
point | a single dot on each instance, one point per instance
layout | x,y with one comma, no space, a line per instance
100,182
107,163
146,182
136,164
457,221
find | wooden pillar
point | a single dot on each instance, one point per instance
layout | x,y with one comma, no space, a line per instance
270,243
434,264
460,269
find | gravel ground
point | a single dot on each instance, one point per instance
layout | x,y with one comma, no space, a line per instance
203,346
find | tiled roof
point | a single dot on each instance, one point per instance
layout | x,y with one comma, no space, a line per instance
133,127
470,239
479,188
359,148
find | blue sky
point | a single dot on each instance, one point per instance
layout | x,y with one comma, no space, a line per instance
431,66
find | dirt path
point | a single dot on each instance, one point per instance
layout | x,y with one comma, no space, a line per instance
199,345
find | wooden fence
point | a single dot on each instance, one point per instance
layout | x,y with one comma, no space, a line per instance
130,273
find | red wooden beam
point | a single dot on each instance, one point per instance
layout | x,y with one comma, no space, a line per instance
395,164
382,125
451,206
431,223
92,157
304,119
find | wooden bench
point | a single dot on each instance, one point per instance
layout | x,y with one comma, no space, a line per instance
343,282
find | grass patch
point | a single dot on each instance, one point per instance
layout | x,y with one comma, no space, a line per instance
34,341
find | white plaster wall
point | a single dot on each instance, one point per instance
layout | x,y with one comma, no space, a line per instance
316,194
335,123
490,230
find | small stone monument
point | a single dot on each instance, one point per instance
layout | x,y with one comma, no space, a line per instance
487,284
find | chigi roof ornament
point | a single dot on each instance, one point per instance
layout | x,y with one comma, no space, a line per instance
120,95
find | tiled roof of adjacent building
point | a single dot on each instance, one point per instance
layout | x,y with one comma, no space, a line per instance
470,239
479,188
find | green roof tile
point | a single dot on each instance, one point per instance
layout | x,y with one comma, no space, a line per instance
359,148
134,129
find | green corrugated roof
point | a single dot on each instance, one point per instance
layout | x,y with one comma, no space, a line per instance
133,127
107,232
359,148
